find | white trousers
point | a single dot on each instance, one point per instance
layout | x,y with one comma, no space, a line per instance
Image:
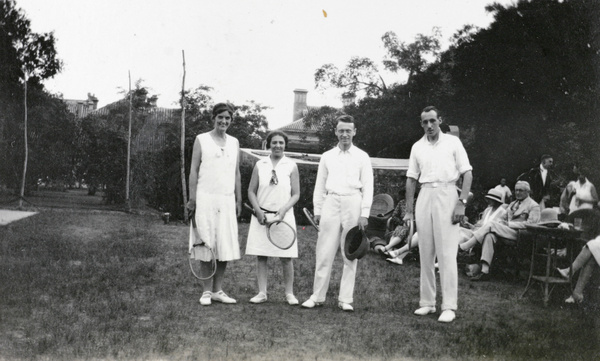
438,237
338,215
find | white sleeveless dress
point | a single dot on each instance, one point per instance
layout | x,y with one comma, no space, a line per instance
215,197
272,197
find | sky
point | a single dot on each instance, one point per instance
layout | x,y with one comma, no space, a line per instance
246,50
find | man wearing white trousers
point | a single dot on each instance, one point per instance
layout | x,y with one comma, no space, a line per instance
342,200
437,161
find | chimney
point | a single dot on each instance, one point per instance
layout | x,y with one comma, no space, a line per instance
299,103
348,99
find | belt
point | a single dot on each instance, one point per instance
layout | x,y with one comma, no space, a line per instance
343,194
437,185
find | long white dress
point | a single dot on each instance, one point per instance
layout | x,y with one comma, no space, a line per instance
272,197
215,197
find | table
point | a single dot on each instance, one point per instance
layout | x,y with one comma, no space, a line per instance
546,243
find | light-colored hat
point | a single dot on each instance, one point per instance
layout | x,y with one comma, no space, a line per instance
549,217
494,195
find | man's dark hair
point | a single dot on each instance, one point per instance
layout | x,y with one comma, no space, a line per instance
276,133
344,118
430,108
544,157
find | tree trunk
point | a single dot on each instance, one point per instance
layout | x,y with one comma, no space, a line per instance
127,200
182,150
22,194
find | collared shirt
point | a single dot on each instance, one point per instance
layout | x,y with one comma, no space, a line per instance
504,190
443,161
544,173
344,173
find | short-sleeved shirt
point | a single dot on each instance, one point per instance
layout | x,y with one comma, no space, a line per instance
443,161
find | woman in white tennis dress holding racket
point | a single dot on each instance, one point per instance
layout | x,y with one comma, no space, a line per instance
274,186
216,197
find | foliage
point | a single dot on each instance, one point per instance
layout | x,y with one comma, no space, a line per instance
157,174
26,58
524,86
359,75
413,57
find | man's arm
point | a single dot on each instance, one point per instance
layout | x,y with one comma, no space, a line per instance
366,179
320,191
459,209
411,187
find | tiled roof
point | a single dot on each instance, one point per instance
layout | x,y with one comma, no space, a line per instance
298,125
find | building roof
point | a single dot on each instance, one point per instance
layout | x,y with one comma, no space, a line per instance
299,125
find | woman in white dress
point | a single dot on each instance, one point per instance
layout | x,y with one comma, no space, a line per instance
216,195
274,186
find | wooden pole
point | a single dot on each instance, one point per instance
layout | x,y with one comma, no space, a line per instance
182,150
22,193
128,150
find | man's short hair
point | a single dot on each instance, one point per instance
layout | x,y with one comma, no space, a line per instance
525,185
430,108
544,157
344,118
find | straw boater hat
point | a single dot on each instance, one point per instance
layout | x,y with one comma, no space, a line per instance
494,195
549,217
356,244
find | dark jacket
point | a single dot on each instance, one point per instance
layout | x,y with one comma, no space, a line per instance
539,190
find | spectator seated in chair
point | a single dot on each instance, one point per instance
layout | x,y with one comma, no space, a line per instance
587,260
523,210
494,212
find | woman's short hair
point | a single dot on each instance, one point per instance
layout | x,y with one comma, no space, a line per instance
276,133
223,107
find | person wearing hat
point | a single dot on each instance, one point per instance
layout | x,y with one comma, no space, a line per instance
494,212
523,210
437,161
216,197
342,200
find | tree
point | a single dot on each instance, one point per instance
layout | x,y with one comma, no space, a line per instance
359,75
413,57
29,57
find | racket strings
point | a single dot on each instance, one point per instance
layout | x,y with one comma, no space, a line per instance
281,235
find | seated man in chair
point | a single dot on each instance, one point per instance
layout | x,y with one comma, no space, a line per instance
521,211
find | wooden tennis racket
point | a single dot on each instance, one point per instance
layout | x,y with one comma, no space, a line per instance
202,259
280,233
310,218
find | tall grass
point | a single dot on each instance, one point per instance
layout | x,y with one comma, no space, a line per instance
91,285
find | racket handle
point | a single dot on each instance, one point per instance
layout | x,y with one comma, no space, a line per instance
250,208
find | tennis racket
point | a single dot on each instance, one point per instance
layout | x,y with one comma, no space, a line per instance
203,262
310,218
279,233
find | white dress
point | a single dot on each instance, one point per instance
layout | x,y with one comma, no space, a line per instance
580,192
272,197
215,197
594,246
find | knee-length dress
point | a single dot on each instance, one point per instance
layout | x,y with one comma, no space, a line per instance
272,197
216,218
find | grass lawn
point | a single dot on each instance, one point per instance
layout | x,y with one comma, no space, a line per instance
89,285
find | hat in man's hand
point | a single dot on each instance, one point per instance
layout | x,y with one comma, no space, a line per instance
356,244
549,217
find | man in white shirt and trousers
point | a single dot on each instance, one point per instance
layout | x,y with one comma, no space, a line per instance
437,161
342,200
